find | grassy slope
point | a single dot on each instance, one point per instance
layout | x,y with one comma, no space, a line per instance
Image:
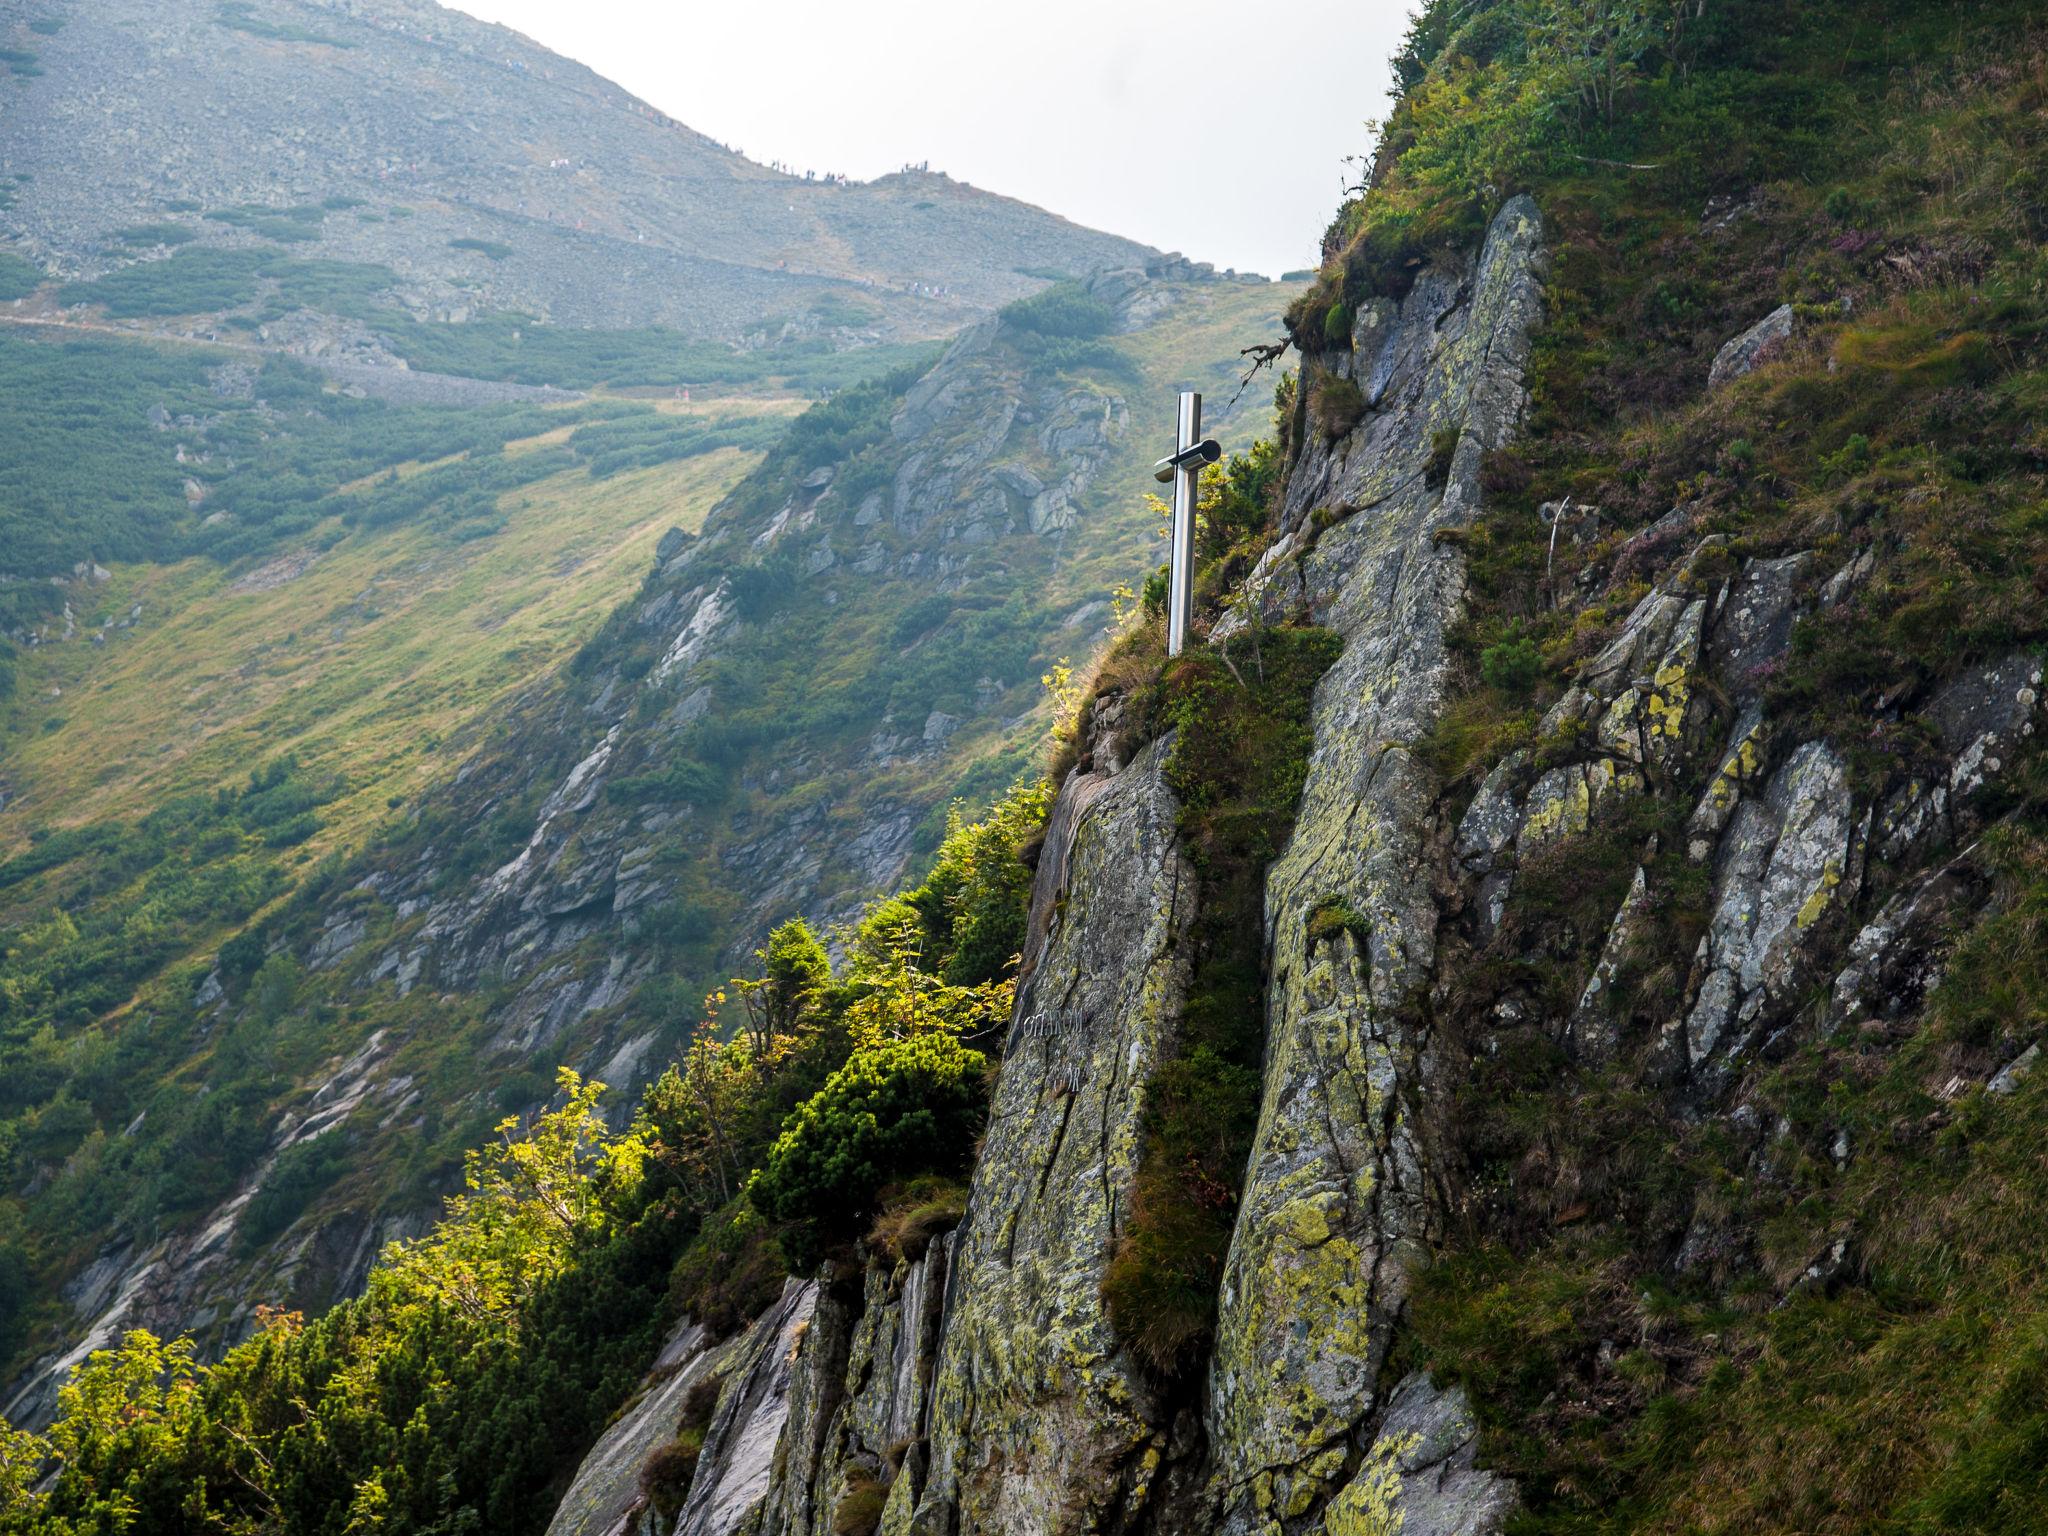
1893,158
370,670
388,646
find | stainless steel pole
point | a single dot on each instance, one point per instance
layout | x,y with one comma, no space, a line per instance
1180,570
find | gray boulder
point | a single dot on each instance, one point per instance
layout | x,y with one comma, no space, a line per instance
1754,346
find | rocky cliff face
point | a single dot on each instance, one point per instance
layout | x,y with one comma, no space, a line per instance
1039,1419
1333,1208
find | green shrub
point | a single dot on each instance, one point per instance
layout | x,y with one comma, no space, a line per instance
665,1474
730,1272
902,1108
914,1214
18,278
1065,311
300,1173
1333,916
237,16
1513,665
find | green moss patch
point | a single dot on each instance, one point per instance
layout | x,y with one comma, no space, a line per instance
1241,713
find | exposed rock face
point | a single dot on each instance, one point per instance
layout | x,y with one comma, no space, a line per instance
1332,1203
1028,1416
1419,1477
1784,861
733,1471
1035,1419
863,1395
605,1498
1039,1420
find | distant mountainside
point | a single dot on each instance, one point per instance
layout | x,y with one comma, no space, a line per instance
427,895
481,172
355,361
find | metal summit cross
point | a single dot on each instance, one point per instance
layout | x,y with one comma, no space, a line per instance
1192,453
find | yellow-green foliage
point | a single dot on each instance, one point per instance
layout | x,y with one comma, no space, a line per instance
474,1359
461,1387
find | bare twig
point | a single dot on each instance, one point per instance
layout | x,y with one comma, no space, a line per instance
1620,165
1223,653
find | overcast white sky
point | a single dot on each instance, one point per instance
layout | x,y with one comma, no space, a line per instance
1214,127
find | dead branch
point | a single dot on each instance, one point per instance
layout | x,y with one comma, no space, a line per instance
1263,355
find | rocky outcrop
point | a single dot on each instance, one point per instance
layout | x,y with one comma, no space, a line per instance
1420,1475
1742,354
1026,1414
733,1476
1332,1207
1040,1420
606,1498
860,1410
1783,865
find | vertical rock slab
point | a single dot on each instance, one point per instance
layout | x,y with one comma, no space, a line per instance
858,1399
733,1470
605,1495
1332,1196
1039,1421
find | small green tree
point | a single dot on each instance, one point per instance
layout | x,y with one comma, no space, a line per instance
794,967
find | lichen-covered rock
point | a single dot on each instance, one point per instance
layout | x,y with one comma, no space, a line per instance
1896,959
1332,1200
1982,718
1737,774
1634,706
1420,1477
605,1498
801,1473
1040,1421
860,1395
1742,354
1790,858
1753,624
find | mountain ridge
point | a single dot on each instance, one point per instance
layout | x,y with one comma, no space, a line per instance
483,172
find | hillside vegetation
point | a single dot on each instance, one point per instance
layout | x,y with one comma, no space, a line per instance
1786,1276
212,721
317,745
458,1390
1883,170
